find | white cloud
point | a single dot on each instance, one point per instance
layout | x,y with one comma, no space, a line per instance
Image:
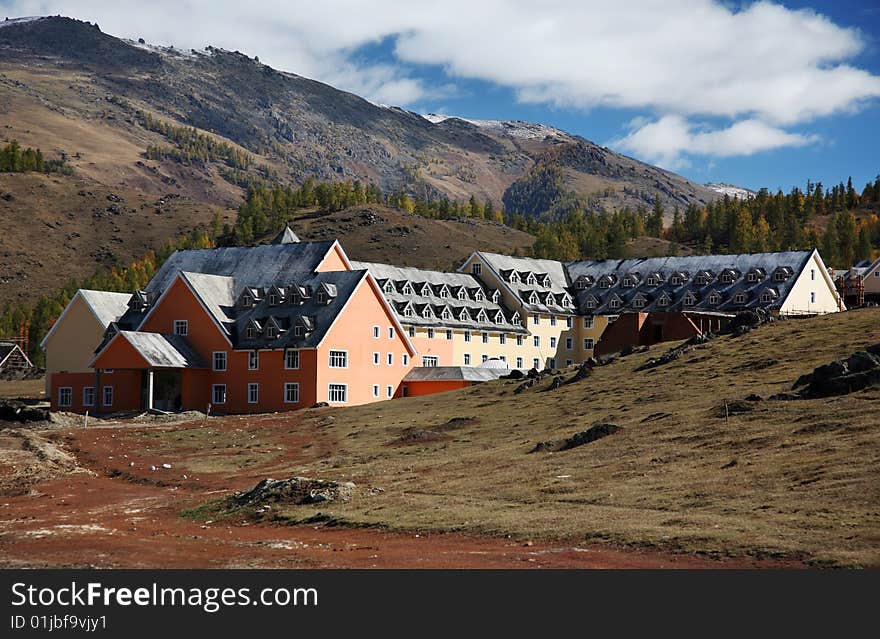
760,69
667,141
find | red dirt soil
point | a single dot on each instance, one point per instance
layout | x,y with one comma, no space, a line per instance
128,516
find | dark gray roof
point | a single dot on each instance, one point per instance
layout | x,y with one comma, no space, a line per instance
287,236
248,265
556,281
312,315
164,351
453,374
436,279
714,296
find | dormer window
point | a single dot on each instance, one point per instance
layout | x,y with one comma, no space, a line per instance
543,279
426,290
496,296
703,278
271,331
388,287
427,313
740,298
247,301
591,302
499,317
251,332
482,317
583,282
566,301
655,279
321,297
755,275
408,289
464,315
273,299
515,318
462,293
689,299
408,311
446,314
514,277
678,279
664,300
605,281
781,274
768,296
629,281
444,292
298,331
615,302
714,298
729,276
531,280
639,301
534,299
478,295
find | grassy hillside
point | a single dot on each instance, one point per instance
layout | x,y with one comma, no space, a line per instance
782,478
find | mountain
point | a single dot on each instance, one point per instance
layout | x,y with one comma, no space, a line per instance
175,135
729,189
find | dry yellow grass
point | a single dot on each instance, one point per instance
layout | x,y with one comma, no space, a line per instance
31,388
788,478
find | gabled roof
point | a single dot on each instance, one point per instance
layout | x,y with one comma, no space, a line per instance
287,236
158,351
453,374
6,350
556,278
105,305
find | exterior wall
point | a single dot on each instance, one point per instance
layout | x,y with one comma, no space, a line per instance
814,278
126,391
72,345
353,332
335,260
415,389
644,329
872,279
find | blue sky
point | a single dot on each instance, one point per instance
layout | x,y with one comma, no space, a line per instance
755,94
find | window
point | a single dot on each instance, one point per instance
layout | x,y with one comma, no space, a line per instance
519,340
181,327
552,342
567,322
338,359
536,364
740,298
389,391
412,331
612,318
485,338
467,336
376,359
390,359
503,358
727,278
273,299
812,298
405,359
588,343
536,319
485,358
375,390
291,360
297,331
467,359
812,273
476,268
552,362
552,320
253,393
390,332
108,396
253,360
714,299
664,300
614,303
519,362
219,360
337,393
569,343
251,332
376,332
291,393
65,396
502,339
568,362
218,394
639,302
89,396
271,331
430,333
448,334
536,340
429,361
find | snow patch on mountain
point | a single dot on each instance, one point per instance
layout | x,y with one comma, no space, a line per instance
10,21
512,128
729,189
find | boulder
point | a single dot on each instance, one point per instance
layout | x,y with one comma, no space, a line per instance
296,490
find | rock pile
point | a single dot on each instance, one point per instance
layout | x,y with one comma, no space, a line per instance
296,490
858,371
597,431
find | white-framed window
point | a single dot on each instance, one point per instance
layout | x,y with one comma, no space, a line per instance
376,358
467,359
502,338
376,332
467,336
297,331
291,359
536,364
219,360
271,331
89,396
108,396
569,343
536,319
519,362
485,358
448,334
65,396
273,299
181,327
405,359
218,394
337,393
390,359
430,333
519,340
251,332
389,390
476,268
552,342
338,359
536,341
485,338
291,393
614,303
253,360
430,361
390,332
253,393
552,320
588,343
375,390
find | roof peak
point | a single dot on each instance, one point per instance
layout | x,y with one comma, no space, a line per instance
286,236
